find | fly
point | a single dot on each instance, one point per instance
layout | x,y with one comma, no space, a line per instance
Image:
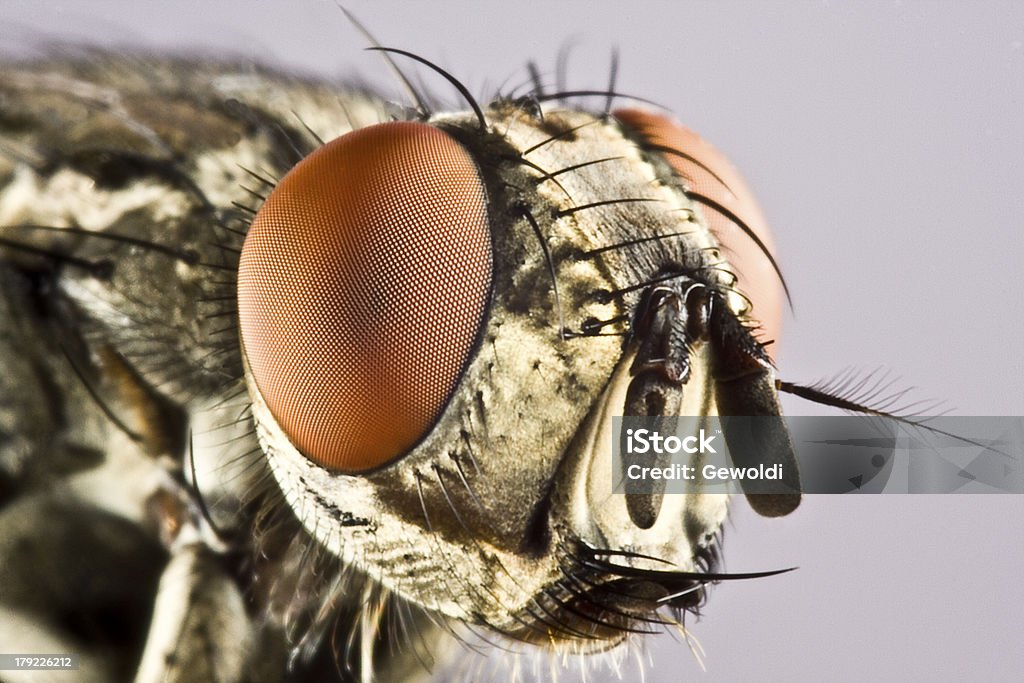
350,367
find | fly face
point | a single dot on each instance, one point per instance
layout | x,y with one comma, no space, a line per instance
439,319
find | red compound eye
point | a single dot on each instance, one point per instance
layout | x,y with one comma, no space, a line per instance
362,288
716,178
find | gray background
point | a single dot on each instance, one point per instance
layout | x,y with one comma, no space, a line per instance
885,140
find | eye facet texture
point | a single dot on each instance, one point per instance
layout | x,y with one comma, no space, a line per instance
362,287
716,178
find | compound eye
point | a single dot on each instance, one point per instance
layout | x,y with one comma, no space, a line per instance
707,172
362,288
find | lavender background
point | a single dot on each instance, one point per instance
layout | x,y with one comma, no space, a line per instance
885,142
